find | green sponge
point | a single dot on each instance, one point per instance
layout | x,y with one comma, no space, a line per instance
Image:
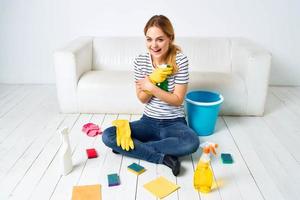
226,158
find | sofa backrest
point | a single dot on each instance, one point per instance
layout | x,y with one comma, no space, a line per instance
116,53
204,54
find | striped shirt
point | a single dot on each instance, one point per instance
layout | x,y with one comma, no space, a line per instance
155,107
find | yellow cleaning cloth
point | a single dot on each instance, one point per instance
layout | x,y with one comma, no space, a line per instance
161,187
84,192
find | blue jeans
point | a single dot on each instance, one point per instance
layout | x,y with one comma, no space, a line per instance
153,138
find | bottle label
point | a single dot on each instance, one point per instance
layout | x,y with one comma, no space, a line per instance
163,85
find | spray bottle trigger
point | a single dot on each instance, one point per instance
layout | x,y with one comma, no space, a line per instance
213,148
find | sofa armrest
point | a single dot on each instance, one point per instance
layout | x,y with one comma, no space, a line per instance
253,64
70,63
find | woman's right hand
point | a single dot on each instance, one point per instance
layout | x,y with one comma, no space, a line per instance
160,74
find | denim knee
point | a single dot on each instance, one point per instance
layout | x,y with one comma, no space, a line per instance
109,136
192,144
195,144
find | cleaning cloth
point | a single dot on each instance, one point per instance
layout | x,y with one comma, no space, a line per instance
91,129
161,187
83,192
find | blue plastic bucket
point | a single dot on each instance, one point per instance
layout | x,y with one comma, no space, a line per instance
202,109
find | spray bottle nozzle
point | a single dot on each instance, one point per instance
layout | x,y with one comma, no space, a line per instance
209,147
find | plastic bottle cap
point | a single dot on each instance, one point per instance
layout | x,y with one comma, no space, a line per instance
206,150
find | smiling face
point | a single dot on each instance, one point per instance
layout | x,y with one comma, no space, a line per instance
157,43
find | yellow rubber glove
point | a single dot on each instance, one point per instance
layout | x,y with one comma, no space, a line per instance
160,74
123,134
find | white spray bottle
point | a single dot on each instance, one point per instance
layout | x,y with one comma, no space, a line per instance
65,152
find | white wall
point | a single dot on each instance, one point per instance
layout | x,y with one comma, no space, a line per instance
31,29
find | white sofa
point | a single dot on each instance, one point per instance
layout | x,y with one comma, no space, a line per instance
95,74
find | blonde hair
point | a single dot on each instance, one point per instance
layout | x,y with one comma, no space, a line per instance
163,23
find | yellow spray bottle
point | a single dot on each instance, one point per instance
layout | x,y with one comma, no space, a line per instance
203,176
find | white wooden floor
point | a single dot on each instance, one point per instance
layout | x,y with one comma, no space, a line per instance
266,152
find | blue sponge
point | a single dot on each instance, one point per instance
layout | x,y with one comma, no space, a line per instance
113,180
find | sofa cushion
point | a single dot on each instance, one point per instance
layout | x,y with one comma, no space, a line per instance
114,91
108,92
230,85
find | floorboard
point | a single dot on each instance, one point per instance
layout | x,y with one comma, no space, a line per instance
265,152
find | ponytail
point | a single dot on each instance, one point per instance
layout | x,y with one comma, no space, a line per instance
171,56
